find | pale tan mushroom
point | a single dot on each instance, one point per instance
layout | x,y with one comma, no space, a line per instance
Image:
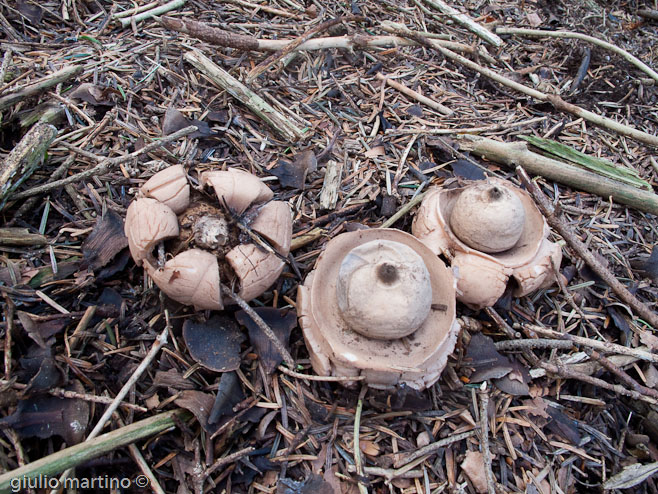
274,222
492,230
381,305
238,188
148,222
499,213
256,268
191,278
170,187
387,275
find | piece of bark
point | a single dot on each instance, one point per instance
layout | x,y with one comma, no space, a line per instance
279,123
48,81
648,14
465,21
517,153
415,95
220,37
332,178
24,158
20,236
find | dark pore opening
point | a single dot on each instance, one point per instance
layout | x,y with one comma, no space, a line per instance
387,273
495,193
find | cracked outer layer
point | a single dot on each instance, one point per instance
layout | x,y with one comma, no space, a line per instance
482,277
192,277
148,221
336,349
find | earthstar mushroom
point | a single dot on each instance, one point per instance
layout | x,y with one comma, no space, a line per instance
192,275
381,305
492,231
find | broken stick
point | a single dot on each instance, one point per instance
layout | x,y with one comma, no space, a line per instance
26,156
279,123
415,95
512,154
48,81
581,249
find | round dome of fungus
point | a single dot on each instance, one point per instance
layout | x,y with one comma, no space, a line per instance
187,243
381,305
488,217
492,230
383,289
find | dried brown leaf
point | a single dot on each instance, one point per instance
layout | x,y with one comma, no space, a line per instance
649,340
32,11
174,121
197,402
105,241
93,94
473,468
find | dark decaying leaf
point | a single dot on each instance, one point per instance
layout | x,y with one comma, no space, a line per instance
261,463
281,321
621,322
314,484
174,121
563,426
467,170
93,94
389,205
293,174
229,394
110,298
40,331
483,356
105,241
215,344
197,402
516,382
415,110
44,416
30,361
407,398
219,116
48,376
588,274
117,265
31,11
384,124
38,368
648,267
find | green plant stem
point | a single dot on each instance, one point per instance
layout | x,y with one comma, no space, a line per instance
78,454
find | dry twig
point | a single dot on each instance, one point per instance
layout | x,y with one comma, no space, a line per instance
556,101
104,165
267,331
483,393
583,37
581,249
